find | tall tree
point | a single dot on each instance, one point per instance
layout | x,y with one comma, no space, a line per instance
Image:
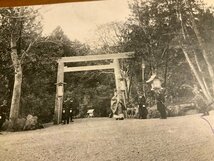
21,30
193,45
154,30
165,24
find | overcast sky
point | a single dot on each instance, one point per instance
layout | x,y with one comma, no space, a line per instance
79,20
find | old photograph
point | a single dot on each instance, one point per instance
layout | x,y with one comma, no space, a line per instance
110,80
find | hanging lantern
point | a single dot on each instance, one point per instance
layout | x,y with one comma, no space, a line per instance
123,85
143,66
60,89
156,84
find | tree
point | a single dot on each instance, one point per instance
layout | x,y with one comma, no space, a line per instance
154,30
40,73
21,30
192,37
160,26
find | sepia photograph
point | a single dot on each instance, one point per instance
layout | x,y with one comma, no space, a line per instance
107,80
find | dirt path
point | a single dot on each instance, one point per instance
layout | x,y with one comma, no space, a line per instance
186,138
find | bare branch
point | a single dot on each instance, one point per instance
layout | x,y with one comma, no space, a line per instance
25,53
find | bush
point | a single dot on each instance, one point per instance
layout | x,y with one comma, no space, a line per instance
20,124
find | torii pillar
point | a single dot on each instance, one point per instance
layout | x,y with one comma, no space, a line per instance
117,74
59,93
121,92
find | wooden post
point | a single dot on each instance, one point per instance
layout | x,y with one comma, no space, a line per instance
118,79
117,75
143,79
59,96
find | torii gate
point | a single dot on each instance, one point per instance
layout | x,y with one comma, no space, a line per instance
62,69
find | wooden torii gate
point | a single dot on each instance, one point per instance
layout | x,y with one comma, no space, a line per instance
62,69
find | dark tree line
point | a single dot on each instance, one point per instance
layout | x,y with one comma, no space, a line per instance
173,37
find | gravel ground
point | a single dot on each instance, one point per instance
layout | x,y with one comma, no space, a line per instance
187,138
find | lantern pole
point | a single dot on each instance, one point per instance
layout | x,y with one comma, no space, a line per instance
143,78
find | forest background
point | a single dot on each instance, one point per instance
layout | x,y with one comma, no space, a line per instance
175,39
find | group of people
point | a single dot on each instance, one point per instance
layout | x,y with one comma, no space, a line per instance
159,96
118,106
67,111
118,109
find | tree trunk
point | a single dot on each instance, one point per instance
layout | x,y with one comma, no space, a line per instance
197,76
198,65
200,70
166,68
201,45
204,53
15,103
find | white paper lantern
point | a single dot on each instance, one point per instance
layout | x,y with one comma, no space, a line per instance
156,84
123,85
60,90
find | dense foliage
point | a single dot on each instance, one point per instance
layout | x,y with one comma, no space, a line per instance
154,31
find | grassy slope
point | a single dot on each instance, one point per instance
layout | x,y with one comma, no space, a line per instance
103,139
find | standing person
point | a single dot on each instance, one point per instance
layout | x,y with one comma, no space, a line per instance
159,95
71,110
63,115
3,111
117,106
120,109
143,112
66,111
67,114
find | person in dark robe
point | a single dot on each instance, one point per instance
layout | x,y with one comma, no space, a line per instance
160,98
71,110
143,112
66,111
3,113
64,115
